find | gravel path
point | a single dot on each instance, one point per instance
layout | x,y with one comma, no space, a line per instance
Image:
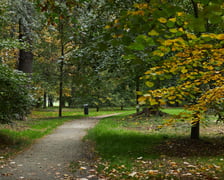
49,157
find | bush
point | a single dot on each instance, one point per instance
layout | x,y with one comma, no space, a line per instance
15,98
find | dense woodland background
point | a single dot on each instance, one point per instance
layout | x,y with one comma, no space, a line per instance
112,53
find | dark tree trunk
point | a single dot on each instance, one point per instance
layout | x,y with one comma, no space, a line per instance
45,100
137,96
25,55
61,89
71,100
195,7
50,101
195,130
25,61
97,108
61,31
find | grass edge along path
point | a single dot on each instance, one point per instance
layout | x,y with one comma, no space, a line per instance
127,154
20,135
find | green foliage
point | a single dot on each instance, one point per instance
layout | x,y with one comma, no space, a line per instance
15,98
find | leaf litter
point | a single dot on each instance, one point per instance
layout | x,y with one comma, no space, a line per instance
180,158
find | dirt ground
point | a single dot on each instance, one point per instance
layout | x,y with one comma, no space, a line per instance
50,157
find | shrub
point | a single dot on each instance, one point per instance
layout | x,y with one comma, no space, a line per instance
15,97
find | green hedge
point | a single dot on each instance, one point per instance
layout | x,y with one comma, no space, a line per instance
15,98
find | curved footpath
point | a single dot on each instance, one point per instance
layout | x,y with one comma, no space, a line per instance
50,157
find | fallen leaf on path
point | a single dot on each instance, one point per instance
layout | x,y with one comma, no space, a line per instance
7,174
82,168
91,176
92,170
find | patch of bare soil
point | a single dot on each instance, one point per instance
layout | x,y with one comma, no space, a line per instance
192,148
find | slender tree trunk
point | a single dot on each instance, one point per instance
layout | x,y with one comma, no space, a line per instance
71,101
45,100
61,89
50,101
61,31
97,108
195,7
137,96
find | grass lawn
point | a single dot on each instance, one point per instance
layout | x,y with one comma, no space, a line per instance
132,147
21,134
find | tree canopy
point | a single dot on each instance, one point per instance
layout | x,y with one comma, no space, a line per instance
118,52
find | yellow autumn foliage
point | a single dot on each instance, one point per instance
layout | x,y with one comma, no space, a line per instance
162,20
198,64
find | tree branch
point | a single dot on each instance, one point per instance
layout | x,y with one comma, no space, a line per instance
195,6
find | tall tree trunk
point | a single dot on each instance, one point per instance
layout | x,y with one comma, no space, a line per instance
25,56
97,108
195,128
137,88
45,100
25,61
61,89
61,31
50,101
72,102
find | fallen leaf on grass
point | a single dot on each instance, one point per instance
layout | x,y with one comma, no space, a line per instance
216,167
152,172
191,166
174,172
132,174
187,174
174,164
